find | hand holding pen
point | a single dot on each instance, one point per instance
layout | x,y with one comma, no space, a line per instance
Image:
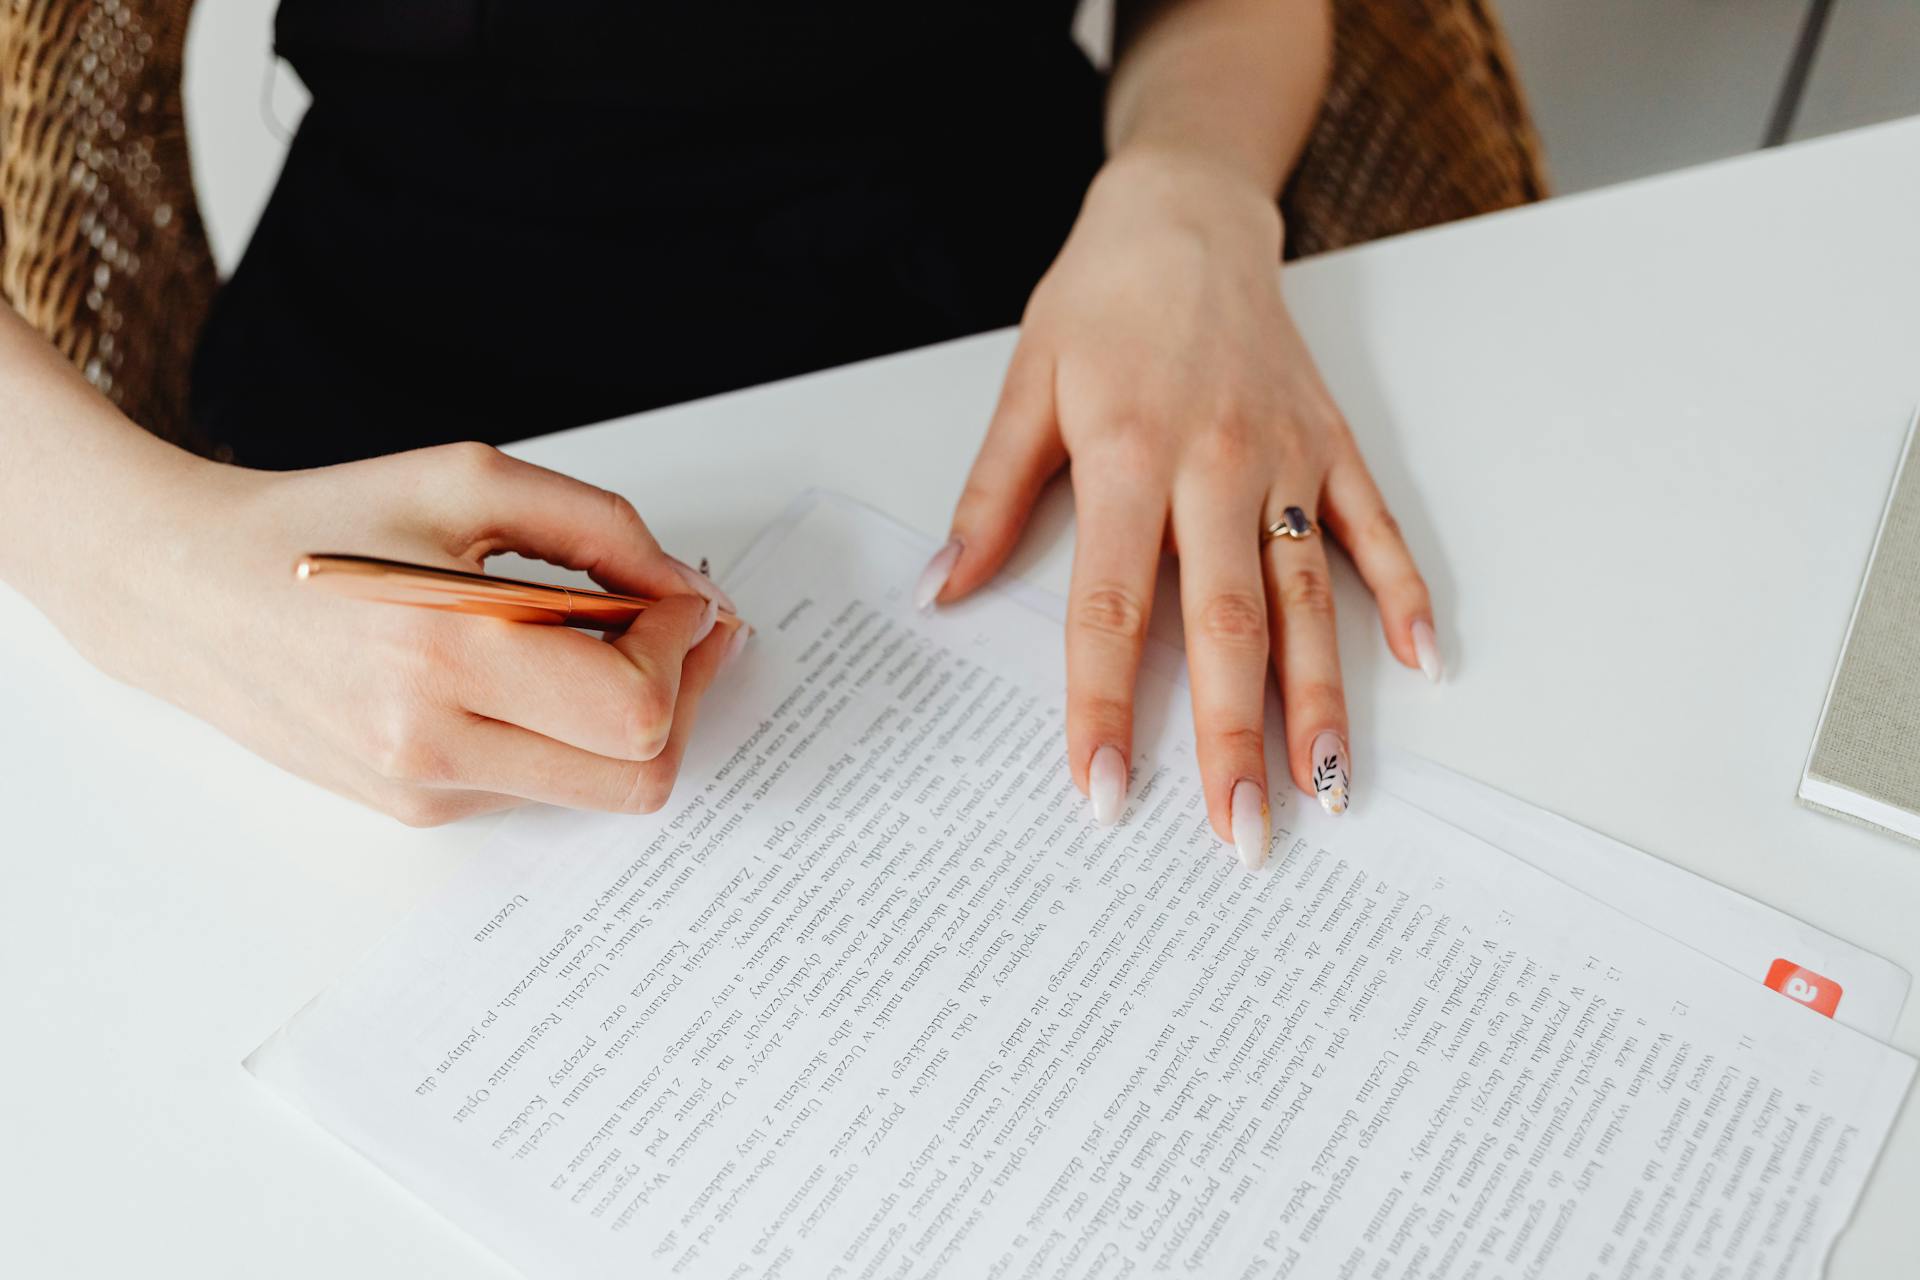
423,713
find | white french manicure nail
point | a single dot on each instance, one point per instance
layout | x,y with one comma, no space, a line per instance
1330,777
707,619
701,585
1427,651
935,575
1107,784
741,634
1248,817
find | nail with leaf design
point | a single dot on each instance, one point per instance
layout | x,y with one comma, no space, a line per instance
1330,778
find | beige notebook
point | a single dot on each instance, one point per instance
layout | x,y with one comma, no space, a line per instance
1865,762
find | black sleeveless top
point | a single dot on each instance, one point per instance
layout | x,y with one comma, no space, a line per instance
504,217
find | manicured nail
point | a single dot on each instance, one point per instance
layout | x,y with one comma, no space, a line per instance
741,634
1107,784
703,586
935,575
1330,780
1248,817
707,619
1427,651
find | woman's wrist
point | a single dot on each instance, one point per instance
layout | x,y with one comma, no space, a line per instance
83,491
107,517
1190,189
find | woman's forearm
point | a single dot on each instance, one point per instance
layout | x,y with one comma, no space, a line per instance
77,479
1236,83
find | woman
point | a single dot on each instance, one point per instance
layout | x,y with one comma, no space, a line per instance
707,200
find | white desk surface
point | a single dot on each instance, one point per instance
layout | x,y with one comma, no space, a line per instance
1639,440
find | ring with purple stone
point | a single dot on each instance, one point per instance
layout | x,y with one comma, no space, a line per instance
1293,523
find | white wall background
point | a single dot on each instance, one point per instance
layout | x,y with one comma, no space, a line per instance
1620,88
1625,88
242,105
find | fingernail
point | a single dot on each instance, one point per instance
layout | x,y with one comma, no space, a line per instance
1330,781
707,619
741,634
1248,817
935,575
1427,651
1107,784
701,585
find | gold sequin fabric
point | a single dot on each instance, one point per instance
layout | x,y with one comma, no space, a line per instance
101,244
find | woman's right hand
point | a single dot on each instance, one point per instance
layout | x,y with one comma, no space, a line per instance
424,715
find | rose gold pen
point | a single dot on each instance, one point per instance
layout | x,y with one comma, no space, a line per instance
514,599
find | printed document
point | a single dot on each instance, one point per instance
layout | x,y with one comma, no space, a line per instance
871,997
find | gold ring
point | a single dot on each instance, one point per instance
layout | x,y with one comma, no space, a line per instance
1293,523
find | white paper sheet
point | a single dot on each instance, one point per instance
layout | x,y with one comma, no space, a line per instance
870,998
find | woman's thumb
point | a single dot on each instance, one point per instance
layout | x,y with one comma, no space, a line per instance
1021,453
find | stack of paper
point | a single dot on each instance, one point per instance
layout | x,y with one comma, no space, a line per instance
872,998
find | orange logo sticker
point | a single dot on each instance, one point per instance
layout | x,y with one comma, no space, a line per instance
1821,994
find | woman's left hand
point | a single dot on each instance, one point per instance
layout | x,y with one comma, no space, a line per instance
1157,356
